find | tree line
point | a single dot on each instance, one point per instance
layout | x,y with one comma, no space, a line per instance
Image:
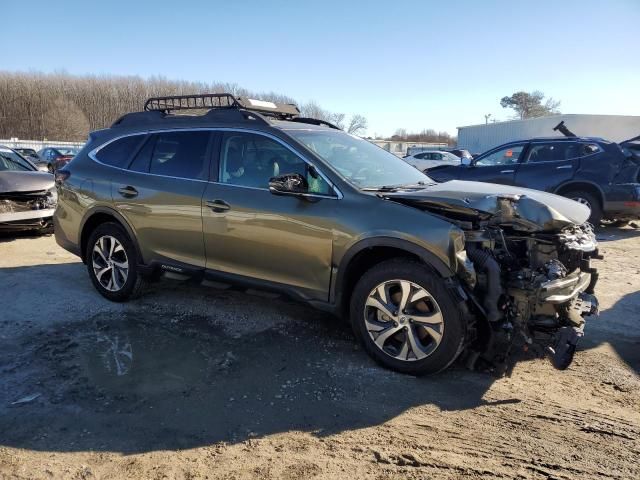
64,107
428,135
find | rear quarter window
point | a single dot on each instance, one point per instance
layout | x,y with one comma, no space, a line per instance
119,152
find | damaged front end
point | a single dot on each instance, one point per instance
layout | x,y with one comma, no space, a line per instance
27,210
534,290
526,267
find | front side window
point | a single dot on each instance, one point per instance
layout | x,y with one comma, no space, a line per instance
503,156
251,160
118,153
552,152
174,154
359,161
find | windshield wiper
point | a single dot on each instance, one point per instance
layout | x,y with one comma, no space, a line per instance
394,188
383,188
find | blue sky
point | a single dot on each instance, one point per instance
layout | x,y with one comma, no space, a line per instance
410,64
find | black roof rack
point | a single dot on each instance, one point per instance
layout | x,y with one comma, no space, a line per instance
209,101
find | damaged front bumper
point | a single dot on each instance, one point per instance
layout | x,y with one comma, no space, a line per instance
27,211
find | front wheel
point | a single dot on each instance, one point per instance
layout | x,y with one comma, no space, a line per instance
406,318
589,200
111,261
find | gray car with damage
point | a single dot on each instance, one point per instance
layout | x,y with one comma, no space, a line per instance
28,197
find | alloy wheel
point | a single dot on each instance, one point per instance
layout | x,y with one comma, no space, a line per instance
110,263
403,320
583,201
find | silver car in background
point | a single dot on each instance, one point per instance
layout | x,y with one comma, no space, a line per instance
431,158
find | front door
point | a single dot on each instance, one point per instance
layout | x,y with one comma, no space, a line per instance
497,166
250,232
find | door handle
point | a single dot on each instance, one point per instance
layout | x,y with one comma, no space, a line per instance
218,206
507,171
563,167
128,192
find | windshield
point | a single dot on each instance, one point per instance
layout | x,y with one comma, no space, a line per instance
359,161
9,160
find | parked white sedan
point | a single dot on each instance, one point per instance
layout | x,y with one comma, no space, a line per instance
426,160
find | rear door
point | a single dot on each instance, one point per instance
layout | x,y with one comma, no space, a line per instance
546,165
159,192
496,166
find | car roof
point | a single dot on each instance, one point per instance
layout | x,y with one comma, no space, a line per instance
142,121
557,139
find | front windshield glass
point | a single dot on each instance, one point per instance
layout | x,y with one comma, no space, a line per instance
359,161
10,160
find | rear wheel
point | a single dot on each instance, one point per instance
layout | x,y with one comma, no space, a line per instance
111,261
590,200
406,318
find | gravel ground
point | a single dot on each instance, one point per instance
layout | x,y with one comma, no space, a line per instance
199,382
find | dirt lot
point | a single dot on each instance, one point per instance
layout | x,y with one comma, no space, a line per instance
200,382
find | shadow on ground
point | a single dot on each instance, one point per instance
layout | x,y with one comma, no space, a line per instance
144,379
620,327
610,234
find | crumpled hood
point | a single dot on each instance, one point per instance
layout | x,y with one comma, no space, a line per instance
13,181
520,208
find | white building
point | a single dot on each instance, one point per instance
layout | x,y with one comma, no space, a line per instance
480,138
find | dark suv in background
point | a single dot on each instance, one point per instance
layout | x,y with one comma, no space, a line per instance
251,193
603,175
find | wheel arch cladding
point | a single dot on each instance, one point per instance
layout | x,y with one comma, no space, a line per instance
581,185
99,216
369,252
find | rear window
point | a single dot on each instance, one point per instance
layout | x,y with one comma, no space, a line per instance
119,152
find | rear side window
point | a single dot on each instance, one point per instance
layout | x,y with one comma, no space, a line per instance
552,152
589,149
119,152
175,154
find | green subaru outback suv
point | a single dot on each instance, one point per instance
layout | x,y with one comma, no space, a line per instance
249,192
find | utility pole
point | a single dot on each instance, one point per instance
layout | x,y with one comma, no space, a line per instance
486,118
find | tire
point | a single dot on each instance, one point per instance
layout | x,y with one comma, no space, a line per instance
115,283
589,199
399,347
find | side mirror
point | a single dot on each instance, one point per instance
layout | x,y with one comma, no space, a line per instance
292,184
466,161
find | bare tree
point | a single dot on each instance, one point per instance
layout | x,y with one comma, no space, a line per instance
428,135
38,105
357,125
65,120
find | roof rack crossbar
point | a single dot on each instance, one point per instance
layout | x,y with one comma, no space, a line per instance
315,121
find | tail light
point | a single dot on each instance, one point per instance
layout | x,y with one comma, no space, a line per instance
61,176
